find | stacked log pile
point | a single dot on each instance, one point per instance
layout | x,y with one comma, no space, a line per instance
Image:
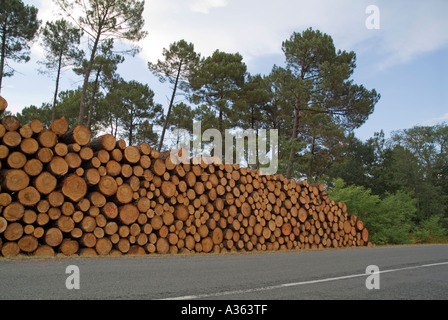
63,192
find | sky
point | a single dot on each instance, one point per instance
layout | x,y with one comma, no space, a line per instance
404,58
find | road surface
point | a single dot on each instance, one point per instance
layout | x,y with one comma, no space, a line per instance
403,272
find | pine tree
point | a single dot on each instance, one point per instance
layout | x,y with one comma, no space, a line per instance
18,27
101,20
180,61
60,41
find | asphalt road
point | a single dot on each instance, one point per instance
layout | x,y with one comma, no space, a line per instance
405,272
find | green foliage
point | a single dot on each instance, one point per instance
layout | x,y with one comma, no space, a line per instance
431,230
389,219
104,20
60,41
394,219
32,112
133,105
18,27
319,82
217,83
180,62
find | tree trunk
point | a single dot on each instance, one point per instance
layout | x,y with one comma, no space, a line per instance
3,54
55,99
87,76
170,107
92,102
295,132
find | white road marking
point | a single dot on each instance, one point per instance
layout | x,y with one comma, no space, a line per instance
294,284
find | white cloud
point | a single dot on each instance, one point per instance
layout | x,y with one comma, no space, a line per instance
435,121
257,28
411,30
204,6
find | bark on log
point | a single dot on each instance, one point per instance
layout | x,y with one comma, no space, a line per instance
11,123
79,134
3,105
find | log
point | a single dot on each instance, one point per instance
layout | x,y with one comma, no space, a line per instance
60,149
131,154
25,131
45,182
56,198
123,245
217,236
12,139
79,134
107,185
111,228
58,166
44,251
65,224
124,194
92,176
347,226
88,240
113,168
103,156
103,246
182,213
28,196
29,146
69,247
207,244
162,246
359,225
5,199
3,105
86,153
14,180
110,210
4,151
128,214
47,138
158,167
28,244
14,211
3,224
88,224
168,189
36,126
11,123
365,235
74,187
16,160
13,231
10,249
73,160
106,142
59,126
45,155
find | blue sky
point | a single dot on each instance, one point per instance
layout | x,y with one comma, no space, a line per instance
405,60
